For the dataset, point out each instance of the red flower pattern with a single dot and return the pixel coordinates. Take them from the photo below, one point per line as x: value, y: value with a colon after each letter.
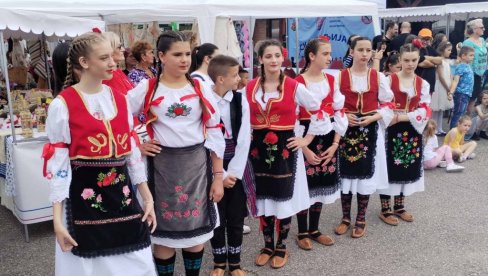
x: 254, y: 153
x: 183, y: 198
x: 178, y: 111
x: 285, y: 154
x: 271, y: 138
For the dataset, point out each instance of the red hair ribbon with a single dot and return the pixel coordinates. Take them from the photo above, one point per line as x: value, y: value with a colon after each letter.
x: 428, y: 111
x: 96, y: 30
x: 48, y: 152
x: 325, y: 38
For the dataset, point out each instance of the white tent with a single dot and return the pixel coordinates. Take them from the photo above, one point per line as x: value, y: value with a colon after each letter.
x: 414, y: 14
x: 462, y: 11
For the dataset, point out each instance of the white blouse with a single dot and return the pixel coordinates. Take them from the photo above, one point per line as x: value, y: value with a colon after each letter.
x: 179, y: 122
x: 100, y: 105
x: 238, y: 163
x: 429, y: 149
x: 385, y: 95
x: 340, y: 120
x: 418, y: 117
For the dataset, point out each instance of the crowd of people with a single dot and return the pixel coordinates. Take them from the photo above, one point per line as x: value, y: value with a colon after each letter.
x: 221, y: 147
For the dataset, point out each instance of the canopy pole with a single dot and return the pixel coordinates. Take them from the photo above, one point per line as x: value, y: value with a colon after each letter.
x: 7, y: 84
x: 297, y: 48
x: 251, y: 48
x: 448, y: 25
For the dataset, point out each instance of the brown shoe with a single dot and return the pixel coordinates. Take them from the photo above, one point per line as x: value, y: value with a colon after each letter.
x: 323, y: 239
x: 304, y: 243
x: 359, y: 229
x: 280, y: 258
x: 217, y: 272
x: 238, y: 272
x: 404, y: 215
x: 342, y: 228
x: 264, y: 256
x: 389, y: 218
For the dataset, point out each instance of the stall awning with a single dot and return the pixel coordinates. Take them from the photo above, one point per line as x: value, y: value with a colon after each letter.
x: 414, y: 14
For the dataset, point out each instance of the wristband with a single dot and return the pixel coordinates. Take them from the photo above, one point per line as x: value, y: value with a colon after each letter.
x: 218, y: 173
x: 335, y: 143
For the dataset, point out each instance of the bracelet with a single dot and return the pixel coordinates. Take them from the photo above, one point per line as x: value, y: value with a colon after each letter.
x: 218, y: 173
x: 335, y: 143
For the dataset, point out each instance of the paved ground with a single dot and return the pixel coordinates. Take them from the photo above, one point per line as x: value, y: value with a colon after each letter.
x: 448, y: 236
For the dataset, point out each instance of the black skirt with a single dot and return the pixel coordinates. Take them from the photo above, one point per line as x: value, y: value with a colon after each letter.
x: 357, y: 151
x: 322, y: 179
x: 273, y: 163
x: 103, y: 214
x: 404, y: 153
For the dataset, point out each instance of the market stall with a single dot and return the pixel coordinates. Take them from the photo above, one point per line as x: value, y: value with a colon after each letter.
x: 24, y: 191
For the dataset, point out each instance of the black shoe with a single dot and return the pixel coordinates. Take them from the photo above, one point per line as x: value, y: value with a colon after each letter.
x: 483, y: 135
x: 475, y: 137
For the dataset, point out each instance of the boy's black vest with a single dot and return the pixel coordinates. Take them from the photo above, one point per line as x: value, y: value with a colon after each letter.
x: 235, y: 115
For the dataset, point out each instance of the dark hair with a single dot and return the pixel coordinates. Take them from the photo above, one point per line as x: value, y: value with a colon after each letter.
x: 409, y: 39
x: 407, y: 48
x: 483, y: 93
x: 354, y: 42
x: 390, y: 25
x: 242, y: 70
x: 199, y: 53
x: 127, y: 52
x: 80, y: 47
x: 349, y: 41
x: 311, y: 47
x: 60, y: 65
x: 391, y: 60
x: 220, y: 65
x: 140, y: 48
x: 442, y: 47
x: 262, y: 47
x: 437, y: 40
x: 163, y: 44
x: 465, y: 50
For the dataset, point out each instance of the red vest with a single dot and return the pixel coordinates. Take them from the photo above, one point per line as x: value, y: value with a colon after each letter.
x: 279, y: 113
x: 364, y: 103
x: 326, y: 102
x: 401, y: 99
x: 92, y: 138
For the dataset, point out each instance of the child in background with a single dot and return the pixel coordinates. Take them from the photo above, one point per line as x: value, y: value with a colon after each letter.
x: 392, y: 64
x: 433, y: 154
x: 462, y: 84
x: 440, y: 101
x: 455, y: 139
x: 234, y: 112
x: 480, y: 122
x: 244, y: 75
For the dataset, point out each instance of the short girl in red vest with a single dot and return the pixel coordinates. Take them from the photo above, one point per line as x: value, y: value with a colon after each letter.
x: 281, y: 188
x: 321, y: 157
x: 362, y: 157
x: 404, y: 137
x: 185, y: 176
x: 99, y: 224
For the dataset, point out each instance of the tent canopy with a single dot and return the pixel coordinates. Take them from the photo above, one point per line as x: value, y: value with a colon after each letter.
x: 26, y: 24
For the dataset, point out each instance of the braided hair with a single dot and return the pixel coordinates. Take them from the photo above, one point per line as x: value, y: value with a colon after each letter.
x: 311, y: 47
x: 81, y: 46
x: 262, y: 47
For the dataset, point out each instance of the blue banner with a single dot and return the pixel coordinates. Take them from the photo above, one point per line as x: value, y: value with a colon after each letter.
x: 338, y: 29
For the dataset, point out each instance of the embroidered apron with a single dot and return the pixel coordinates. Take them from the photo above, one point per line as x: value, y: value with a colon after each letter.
x: 103, y: 214
x: 180, y: 180
x: 322, y: 179
x: 357, y: 151
x: 273, y: 163
x: 404, y: 153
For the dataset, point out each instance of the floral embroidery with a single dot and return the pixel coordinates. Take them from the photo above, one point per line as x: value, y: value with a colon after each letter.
x: 419, y: 118
x: 126, y: 200
x: 285, y: 154
x: 195, y: 213
x: 178, y: 109
x: 355, y: 149
x: 182, y: 201
x: 95, y: 200
x: 405, y: 150
x: 254, y: 153
x: 270, y: 139
x: 61, y: 174
x: 49, y: 175
x: 111, y: 178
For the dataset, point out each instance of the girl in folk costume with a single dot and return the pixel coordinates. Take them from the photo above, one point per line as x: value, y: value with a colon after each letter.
x: 361, y: 152
x: 119, y: 82
x: 200, y: 58
x: 321, y: 158
x: 89, y: 160
x: 185, y: 176
x: 277, y: 160
x: 404, y: 137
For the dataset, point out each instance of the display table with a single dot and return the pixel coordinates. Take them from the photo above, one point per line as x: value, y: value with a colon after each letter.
x: 25, y: 186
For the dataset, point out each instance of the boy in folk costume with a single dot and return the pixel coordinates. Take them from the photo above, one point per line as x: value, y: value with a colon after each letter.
x: 185, y: 177
x: 234, y: 114
x: 99, y: 224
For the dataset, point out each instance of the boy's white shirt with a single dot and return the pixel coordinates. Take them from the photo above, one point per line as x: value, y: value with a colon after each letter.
x: 238, y: 162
